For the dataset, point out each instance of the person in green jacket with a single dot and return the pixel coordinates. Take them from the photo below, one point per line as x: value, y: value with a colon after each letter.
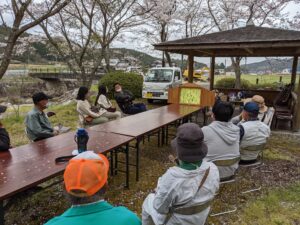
x: 85, y: 181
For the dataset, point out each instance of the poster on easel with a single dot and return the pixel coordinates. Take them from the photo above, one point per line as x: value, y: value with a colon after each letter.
x: 191, y: 94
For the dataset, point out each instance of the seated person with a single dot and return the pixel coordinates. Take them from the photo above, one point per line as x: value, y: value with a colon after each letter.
x: 222, y: 138
x: 85, y: 181
x: 4, y: 137
x: 253, y: 132
x: 38, y: 126
x: 86, y: 115
x: 265, y: 114
x: 125, y: 99
x: 190, y: 184
x: 104, y: 103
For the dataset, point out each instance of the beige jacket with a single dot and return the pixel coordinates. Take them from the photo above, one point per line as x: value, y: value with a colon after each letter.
x: 84, y: 110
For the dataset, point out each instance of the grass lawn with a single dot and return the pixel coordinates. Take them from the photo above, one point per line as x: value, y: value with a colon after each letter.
x: 277, y: 203
x: 263, y: 79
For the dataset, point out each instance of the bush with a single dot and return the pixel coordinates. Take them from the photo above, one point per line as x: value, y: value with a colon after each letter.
x: 129, y: 81
x: 230, y: 83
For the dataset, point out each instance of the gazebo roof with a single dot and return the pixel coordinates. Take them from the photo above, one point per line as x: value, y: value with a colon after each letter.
x: 246, y: 41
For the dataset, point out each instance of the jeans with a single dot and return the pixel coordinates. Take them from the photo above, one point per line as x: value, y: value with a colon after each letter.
x: 136, y: 108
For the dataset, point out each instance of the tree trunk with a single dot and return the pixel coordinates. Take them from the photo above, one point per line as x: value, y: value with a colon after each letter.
x: 237, y: 70
x: 12, y: 39
x: 168, y: 57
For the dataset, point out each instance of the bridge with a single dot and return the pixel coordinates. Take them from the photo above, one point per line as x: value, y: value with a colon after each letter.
x: 55, y: 79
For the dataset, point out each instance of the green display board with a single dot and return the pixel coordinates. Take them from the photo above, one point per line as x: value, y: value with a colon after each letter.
x: 190, y: 96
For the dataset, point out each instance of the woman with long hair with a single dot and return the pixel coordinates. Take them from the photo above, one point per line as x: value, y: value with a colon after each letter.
x: 103, y: 102
x: 86, y: 115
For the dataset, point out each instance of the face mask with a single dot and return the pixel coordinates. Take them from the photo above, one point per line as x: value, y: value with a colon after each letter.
x: 119, y: 90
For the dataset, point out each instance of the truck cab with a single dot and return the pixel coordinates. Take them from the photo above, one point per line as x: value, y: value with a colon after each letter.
x: 158, y: 81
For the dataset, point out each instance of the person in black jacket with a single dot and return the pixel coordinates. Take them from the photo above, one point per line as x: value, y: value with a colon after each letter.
x: 125, y: 99
x: 4, y: 137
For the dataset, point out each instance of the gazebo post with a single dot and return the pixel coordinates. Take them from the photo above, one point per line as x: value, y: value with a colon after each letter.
x: 191, y: 69
x: 212, y: 72
x: 294, y: 70
x: 297, y: 114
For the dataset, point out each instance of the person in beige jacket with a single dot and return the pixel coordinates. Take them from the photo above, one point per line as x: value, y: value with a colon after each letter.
x: 103, y: 102
x: 86, y: 115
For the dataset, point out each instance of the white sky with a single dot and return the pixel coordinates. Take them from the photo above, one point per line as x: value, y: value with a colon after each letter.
x: 140, y: 44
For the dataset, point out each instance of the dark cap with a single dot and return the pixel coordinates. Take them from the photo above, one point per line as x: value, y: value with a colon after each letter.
x: 252, y: 107
x: 2, y: 108
x: 189, y: 143
x: 37, y: 97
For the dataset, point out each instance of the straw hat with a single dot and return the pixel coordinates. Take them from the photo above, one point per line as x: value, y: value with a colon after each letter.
x: 261, y: 103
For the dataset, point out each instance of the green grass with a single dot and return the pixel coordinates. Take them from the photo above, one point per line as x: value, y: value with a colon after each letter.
x: 278, y: 207
x: 272, y: 206
x: 263, y: 79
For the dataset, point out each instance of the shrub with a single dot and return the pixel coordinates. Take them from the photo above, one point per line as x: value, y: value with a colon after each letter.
x: 129, y: 81
x: 230, y: 83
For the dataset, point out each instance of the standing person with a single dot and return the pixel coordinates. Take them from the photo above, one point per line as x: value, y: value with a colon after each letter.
x: 85, y: 181
x: 4, y: 137
x: 253, y: 133
x: 38, y: 126
x: 104, y: 103
x: 184, y: 193
x: 86, y: 115
x: 125, y: 99
x: 222, y: 138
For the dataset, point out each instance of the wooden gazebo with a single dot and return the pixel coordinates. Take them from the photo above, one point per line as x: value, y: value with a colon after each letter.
x: 249, y: 41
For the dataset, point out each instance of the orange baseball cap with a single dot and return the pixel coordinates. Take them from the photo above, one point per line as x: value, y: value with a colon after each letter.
x: 86, y: 174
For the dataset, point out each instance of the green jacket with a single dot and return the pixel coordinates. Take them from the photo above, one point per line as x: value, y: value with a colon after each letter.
x: 100, y: 213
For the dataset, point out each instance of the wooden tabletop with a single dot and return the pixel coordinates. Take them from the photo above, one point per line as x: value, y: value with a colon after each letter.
x: 142, y: 123
x: 29, y: 165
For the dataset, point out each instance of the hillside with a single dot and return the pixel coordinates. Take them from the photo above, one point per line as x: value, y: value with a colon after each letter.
x: 275, y: 65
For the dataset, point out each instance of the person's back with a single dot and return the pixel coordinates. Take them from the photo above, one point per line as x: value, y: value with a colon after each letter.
x: 85, y: 181
x: 253, y: 132
x: 189, y: 186
x: 100, y: 213
x: 222, y: 138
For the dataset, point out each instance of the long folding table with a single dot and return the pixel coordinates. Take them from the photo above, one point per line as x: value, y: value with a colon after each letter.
x: 144, y: 123
x: 27, y: 166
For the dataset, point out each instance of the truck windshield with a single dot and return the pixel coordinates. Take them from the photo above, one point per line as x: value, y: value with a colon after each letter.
x: 159, y: 76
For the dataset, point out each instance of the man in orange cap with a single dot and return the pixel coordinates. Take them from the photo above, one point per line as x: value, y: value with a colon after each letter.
x: 85, y: 180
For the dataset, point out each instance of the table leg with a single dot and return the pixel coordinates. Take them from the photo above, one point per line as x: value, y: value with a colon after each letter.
x: 167, y: 135
x: 163, y: 136
x: 116, y: 163
x: 127, y: 165
x: 137, y: 159
x: 112, y: 168
x: 158, y: 138
x: 1, y: 213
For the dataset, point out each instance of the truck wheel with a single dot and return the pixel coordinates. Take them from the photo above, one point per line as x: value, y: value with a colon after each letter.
x: 150, y: 100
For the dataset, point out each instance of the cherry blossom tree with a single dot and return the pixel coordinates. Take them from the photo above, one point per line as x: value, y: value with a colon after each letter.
x: 19, y: 10
x: 230, y: 14
x: 161, y: 19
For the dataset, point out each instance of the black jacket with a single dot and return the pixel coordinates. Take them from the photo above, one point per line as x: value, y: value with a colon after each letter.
x: 124, y: 99
x: 4, y: 140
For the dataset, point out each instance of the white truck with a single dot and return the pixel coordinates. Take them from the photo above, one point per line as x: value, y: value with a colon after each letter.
x: 158, y: 81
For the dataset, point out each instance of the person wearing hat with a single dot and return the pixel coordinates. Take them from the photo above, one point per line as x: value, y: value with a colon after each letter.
x: 265, y: 114
x: 38, y: 126
x: 184, y: 193
x: 4, y: 137
x: 253, y: 132
x: 222, y: 138
x: 85, y: 180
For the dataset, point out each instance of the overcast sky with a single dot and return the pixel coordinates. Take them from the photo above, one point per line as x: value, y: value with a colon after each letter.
x: 132, y: 41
